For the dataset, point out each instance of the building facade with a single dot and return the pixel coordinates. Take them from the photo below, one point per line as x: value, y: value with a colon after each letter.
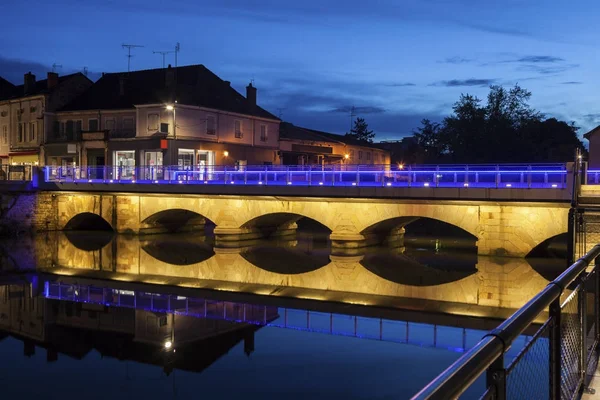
x: 25, y: 114
x: 303, y: 146
x: 140, y: 122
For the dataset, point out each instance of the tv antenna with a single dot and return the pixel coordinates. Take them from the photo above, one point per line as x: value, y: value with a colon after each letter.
x: 85, y: 71
x: 280, y: 112
x: 55, y: 66
x: 177, y: 48
x: 352, y: 115
x: 129, y: 47
x: 164, y: 53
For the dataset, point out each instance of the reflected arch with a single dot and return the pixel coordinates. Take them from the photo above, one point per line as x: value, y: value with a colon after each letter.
x: 87, y: 221
x: 289, y: 260
x: 395, y: 266
x: 173, y: 220
x: 178, y: 249
x: 553, y: 246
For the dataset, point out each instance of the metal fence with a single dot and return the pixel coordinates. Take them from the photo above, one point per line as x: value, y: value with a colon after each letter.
x: 21, y: 173
x: 558, y: 361
x: 484, y: 176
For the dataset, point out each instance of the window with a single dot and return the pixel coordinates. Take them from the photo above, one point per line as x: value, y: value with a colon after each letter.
x: 263, y: 133
x: 352, y: 154
x: 162, y: 321
x: 20, y: 133
x: 164, y: 127
x: 70, y: 127
x: 61, y: 129
x: 3, y: 114
x: 32, y: 131
x: 211, y: 125
x: 78, y: 125
x: 375, y: 158
x: 5, y: 134
x: 152, y: 122
x: 127, y: 124
x: 360, y: 154
x: 368, y: 156
x: 93, y: 125
x: 32, y: 109
x: 238, y: 129
x: 109, y: 124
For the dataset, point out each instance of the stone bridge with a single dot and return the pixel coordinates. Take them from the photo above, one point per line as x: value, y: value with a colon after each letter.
x: 511, y: 228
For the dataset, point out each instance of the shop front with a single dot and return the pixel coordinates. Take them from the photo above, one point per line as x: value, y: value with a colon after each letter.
x: 62, y: 160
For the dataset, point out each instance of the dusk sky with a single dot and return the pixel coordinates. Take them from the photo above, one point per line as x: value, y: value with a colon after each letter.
x: 396, y: 61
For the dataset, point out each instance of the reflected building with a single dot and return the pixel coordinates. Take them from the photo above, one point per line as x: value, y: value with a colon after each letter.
x: 75, y: 328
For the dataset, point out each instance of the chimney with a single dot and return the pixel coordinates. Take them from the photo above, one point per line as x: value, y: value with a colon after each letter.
x: 29, y: 82
x: 227, y: 83
x: 121, y: 85
x: 52, y: 80
x: 251, y: 97
x: 170, y: 77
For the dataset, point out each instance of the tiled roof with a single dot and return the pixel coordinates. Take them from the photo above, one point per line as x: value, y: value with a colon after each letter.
x: 41, y: 87
x: 196, y: 85
x: 6, y: 88
x: 592, y: 132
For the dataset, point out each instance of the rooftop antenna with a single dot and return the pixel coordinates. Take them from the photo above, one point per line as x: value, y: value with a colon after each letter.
x: 280, y: 112
x: 352, y: 115
x: 85, y: 71
x: 164, y: 53
x: 55, y: 66
x: 129, y: 47
x: 177, y: 48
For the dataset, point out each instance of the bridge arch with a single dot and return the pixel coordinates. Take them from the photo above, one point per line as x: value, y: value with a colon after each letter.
x: 87, y: 221
x: 173, y: 220
x: 278, y: 224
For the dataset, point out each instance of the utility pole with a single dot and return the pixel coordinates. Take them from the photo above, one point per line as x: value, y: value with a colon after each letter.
x: 55, y: 66
x: 164, y: 53
x: 129, y: 47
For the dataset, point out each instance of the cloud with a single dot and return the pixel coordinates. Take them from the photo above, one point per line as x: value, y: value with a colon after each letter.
x: 359, y: 110
x: 541, y: 59
x: 457, y: 60
x: 572, y: 83
x: 400, y: 84
x: 547, y: 69
x: 465, y: 82
x: 13, y: 70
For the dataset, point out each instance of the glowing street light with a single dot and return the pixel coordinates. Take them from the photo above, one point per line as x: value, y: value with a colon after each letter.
x: 346, y: 156
x: 168, y: 344
x: 170, y: 107
x: 226, y: 153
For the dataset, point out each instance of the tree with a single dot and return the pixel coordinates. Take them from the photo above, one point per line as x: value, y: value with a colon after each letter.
x: 504, y: 129
x: 361, y: 131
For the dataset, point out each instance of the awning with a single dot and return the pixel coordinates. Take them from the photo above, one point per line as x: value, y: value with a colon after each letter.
x: 25, y: 159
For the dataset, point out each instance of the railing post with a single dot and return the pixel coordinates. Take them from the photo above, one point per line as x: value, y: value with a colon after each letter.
x: 496, y: 378
x: 597, y: 299
x: 467, y: 174
x: 225, y: 174
x: 555, y: 359
x: 437, y: 175
x: 529, y: 176
x: 245, y: 175
x: 357, y: 174
x: 309, y: 175
x: 409, y: 176
x: 266, y: 175
x: 497, y: 175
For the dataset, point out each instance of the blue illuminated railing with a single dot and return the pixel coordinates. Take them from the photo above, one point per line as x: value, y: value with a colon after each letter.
x: 425, y: 335
x: 463, y: 176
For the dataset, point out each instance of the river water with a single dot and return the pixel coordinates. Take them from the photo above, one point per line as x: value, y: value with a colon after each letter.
x: 172, y: 316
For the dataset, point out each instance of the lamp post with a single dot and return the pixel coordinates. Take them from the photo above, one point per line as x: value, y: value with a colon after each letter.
x: 171, y: 107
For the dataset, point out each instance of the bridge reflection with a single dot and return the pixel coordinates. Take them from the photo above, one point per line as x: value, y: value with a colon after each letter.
x: 413, y: 279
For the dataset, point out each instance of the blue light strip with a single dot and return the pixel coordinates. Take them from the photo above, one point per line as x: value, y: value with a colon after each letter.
x: 83, y: 294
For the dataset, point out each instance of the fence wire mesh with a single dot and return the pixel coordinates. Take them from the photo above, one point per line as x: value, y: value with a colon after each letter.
x: 528, y: 375
x: 591, y: 323
x: 570, y: 346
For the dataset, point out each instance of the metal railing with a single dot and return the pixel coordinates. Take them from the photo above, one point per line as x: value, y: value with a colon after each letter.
x: 20, y: 173
x: 559, y: 359
x: 463, y: 176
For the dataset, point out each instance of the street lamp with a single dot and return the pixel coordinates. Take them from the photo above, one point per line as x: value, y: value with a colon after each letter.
x: 226, y: 153
x: 171, y: 107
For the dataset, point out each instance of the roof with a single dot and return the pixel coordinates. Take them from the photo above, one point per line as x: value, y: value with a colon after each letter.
x: 41, y: 87
x: 290, y: 131
x: 590, y: 133
x: 6, y: 88
x: 196, y: 85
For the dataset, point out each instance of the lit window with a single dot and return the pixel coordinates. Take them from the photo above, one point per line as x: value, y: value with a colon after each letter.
x: 238, y: 129
x: 152, y: 122
x: 263, y: 133
x: 211, y: 125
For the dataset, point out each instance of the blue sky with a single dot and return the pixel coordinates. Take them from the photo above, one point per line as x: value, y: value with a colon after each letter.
x: 396, y: 61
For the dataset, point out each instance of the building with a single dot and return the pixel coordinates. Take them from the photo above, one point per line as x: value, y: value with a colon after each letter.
x: 25, y: 112
x: 141, y: 121
x: 303, y: 146
x: 593, y: 137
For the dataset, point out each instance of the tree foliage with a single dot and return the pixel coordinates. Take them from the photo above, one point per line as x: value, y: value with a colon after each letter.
x: 361, y: 131
x: 503, y: 129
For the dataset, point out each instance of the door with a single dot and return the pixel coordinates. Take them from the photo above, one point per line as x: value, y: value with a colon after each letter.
x: 153, y: 164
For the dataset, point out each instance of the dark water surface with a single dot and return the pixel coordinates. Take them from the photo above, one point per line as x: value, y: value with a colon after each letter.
x: 170, y: 316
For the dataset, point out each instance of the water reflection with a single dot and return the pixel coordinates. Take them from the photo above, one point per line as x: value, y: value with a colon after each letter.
x: 428, y: 279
